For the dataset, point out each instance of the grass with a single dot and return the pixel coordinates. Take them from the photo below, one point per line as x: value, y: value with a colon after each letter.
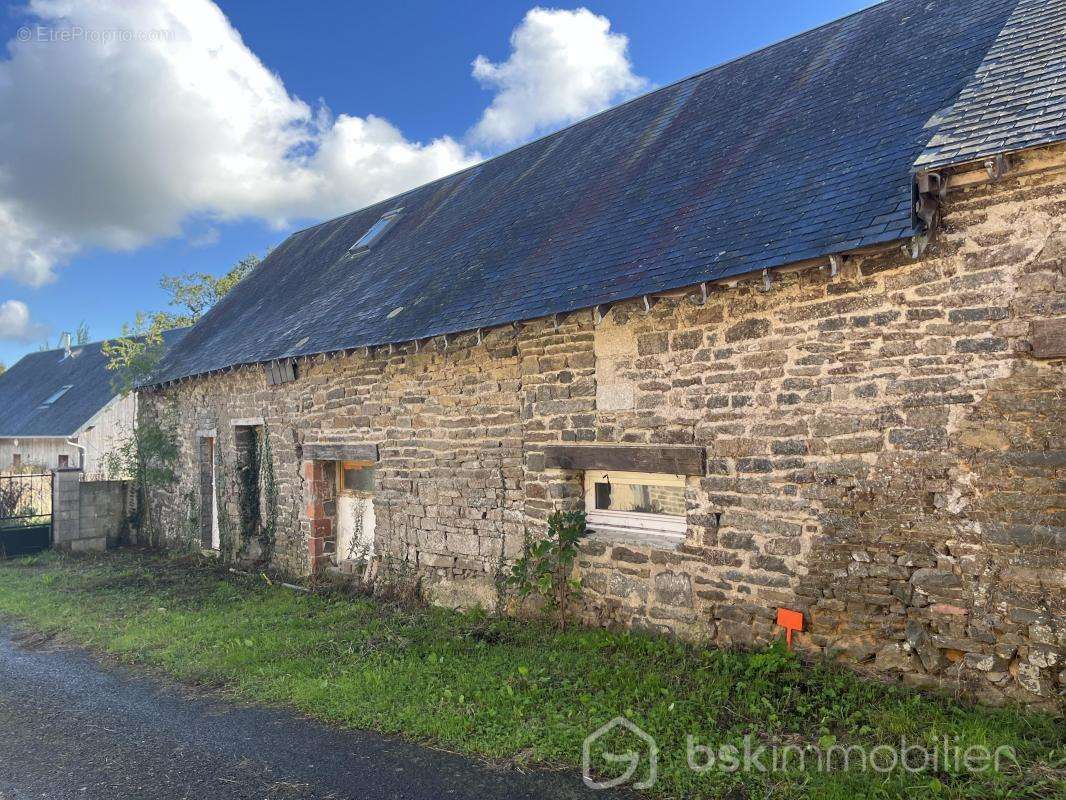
x: 500, y: 689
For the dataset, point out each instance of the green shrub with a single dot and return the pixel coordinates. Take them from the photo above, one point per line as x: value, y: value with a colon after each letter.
x: 545, y: 569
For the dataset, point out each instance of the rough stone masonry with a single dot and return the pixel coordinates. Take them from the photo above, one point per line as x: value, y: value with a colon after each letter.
x: 885, y: 450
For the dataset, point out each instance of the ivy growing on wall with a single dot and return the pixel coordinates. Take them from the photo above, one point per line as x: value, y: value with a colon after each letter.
x: 270, y: 497
x: 192, y: 517
x: 150, y: 457
x: 253, y: 535
x: 248, y: 482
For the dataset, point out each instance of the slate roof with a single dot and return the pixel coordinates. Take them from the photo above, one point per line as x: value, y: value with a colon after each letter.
x: 793, y: 152
x: 38, y: 376
x: 1017, y: 98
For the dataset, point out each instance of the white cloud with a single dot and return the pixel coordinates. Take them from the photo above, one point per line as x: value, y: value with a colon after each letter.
x: 114, y: 144
x: 563, y: 66
x: 359, y: 160
x: 205, y: 238
x: 15, y: 323
x: 175, y: 125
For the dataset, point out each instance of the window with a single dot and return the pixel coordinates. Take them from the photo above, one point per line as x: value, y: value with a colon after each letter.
x: 56, y: 395
x: 641, y: 507
x: 376, y: 231
x: 16, y: 460
x: 64, y: 462
x: 355, y: 476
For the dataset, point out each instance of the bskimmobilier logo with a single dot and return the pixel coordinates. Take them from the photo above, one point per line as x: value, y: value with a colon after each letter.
x: 623, y: 745
x: 617, y: 729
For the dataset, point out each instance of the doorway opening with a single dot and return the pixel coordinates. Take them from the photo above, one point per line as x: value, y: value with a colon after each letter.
x: 355, y: 511
x: 210, y: 537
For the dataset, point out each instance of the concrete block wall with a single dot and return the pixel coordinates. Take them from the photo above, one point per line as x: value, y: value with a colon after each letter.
x: 104, y: 508
x: 88, y: 515
x: 66, y: 508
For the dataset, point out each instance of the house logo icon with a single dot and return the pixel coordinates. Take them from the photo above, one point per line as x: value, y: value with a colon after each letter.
x: 632, y: 758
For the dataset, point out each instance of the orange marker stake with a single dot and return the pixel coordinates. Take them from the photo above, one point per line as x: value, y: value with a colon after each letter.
x: 791, y: 621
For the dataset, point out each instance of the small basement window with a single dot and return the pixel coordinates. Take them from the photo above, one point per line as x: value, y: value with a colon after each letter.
x: 646, y: 508
x: 377, y: 230
x: 56, y: 395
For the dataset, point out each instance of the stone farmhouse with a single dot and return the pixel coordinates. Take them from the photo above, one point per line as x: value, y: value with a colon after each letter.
x: 792, y: 331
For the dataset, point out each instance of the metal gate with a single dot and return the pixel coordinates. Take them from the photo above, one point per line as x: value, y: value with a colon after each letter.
x: 25, y: 514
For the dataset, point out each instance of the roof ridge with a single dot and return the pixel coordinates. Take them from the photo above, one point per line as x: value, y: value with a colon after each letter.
x: 610, y: 109
x: 755, y: 163
x: 74, y: 346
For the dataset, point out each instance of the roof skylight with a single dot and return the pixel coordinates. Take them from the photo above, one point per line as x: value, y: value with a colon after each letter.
x: 56, y: 395
x: 377, y: 230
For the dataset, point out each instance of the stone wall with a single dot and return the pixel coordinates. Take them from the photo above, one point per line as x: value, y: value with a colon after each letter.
x: 449, y: 430
x: 884, y: 453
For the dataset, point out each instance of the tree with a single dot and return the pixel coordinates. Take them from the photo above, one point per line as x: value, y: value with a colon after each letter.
x: 3, y: 368
x: 150, y: 455
x: 546, y: 566
x: 197, y: 292
x: 135, y: 355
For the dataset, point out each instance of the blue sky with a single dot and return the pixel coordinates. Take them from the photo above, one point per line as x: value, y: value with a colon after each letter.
x: 76, y: 258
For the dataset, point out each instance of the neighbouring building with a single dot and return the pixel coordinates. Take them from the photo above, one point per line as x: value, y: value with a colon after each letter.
x: 59, y: 409
x: 792, y: 331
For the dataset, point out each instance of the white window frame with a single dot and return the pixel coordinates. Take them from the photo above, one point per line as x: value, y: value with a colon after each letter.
x: 53, y: 398
x: 634, y: 526
x: 375, y: 232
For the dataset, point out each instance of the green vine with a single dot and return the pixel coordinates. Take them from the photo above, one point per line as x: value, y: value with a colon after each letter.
x: 269, y: 534
x: 257, y: 496
x: 150, y: 456
x: 247, y: 473
x: 192, y: 516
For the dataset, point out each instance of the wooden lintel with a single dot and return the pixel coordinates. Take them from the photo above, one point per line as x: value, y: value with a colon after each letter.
x: 667, y: 459
x: 340, y: 452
